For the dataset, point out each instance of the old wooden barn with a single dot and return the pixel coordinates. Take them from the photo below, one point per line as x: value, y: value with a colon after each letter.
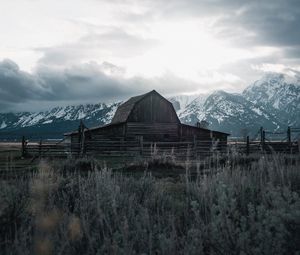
x: 142, y: 121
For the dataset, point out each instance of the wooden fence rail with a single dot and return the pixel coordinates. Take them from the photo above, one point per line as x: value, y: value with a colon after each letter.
x: 123, y: 148
x: 148, y: 149
x: 266, y: 147
x: 104, y: 146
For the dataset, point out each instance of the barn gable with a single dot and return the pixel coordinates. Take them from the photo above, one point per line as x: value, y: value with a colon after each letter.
x: 150, y: 108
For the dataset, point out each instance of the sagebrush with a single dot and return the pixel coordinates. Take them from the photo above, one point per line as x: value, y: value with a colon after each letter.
x: 251, y: 208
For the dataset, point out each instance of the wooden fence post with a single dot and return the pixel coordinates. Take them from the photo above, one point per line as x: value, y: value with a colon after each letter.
x: 141, y: 145
x: 40, y: 148
x: 289, y: 139
x: 82, y: 145
x: 248, y: 146
x: 289, y: 134
x: 195, y: 146
x: 23, y: 147
x: 81, y: 139
x: 264, y: 139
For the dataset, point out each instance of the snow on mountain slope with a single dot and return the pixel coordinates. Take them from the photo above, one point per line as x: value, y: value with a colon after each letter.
x: 180, y: 102
x: 278, y: 94
x: 272, y: 102
x: 232, y: 113
x: 96, y: 113
x: 3, y: 125
x: 193, y: 112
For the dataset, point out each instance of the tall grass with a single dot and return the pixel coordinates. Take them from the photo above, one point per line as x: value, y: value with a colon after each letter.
x: 248, y: 208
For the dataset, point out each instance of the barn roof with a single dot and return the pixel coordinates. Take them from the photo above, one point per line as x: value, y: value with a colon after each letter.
x: 125, y: 109
x: 204, y: 129
x: 94, y: 128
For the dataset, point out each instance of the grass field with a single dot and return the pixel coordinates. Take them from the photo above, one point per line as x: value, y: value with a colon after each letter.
x: 11, y: 162
x: 244, y: 205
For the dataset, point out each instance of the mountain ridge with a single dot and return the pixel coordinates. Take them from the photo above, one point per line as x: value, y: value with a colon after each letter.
x: 272, y: 101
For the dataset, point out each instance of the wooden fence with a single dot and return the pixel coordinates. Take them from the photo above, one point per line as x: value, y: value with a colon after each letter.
x: 267, y: 147
x: 287, y: 141
x: 138, y: 148
x: 261, y: 142
x: 178, y: 150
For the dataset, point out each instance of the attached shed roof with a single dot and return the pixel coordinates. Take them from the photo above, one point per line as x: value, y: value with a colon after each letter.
x: 94, y: 128
x: 204, y: 129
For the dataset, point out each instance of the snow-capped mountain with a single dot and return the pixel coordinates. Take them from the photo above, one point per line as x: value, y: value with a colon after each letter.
x: 55, y: 122
x: 193, y: 112
x: 232, y: 113
x: 272, y: 102
x: 180, y: 102
x: 101, y: 113
x: 278, y: 94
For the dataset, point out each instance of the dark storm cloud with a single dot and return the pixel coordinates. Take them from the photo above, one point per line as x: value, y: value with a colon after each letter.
x: 273, y: 23
x: 82, y: 83
x: 16, y: 86
x: 254, y: 23
x: 85, y: 83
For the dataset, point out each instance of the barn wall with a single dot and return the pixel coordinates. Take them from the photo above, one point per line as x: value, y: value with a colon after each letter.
x: 153, y: 108
x: 153, y: 131
x: 189, y: 132
x: 113, y: 132
x: 150, y: 132
x: 220, y: 136
x: 74, y: 143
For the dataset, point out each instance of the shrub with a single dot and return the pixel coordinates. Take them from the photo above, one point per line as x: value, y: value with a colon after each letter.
x: 234, y: 208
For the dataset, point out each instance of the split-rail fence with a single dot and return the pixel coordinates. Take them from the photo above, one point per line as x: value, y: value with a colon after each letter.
x: 263, y: 142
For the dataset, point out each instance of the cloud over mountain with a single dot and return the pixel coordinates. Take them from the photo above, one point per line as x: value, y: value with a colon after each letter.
x: 85, y: 83
x: 79, y: 83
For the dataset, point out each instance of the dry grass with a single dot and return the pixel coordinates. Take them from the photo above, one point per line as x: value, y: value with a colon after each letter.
x: 240, y: 206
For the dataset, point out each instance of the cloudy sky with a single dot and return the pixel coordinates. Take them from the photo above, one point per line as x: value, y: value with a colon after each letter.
x: 77, y: 51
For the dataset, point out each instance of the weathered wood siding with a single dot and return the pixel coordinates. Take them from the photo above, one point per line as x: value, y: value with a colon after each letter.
x: 208, y: 137
x: 153, y: 109
x: 187, y: 133
x: 153, y: 131
x: 112, y: 132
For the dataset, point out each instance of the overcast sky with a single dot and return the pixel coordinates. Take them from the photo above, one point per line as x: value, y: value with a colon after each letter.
x: 72, y: 51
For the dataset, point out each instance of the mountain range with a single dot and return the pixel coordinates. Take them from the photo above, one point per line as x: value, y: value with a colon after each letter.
x: 272, y: 102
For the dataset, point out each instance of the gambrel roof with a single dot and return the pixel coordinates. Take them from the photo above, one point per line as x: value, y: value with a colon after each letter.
x: 126, y: 108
